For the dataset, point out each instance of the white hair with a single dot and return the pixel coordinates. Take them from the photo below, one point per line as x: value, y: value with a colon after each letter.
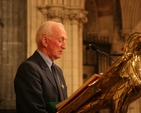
x: 48, y: 28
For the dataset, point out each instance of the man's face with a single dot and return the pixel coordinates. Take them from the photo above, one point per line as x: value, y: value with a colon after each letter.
x: 56, y: 45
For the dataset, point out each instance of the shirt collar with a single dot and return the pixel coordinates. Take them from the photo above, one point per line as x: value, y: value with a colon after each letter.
x: 46, y: 59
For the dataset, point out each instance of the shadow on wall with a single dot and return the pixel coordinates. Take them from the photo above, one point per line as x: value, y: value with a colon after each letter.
x: 1, y: 23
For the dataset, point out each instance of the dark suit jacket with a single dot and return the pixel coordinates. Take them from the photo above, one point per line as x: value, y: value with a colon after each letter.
x: 34, y: 86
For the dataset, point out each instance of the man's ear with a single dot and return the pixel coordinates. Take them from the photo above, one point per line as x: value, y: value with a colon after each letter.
x: 44, y: 41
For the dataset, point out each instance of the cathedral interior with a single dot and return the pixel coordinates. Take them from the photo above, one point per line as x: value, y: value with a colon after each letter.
x: 104, y: 24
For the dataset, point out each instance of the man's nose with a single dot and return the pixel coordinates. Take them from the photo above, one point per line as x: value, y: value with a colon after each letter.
x: 64, y: 45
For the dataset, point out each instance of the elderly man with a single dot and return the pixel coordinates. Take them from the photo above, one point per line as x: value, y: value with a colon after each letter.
x: 38, y: 80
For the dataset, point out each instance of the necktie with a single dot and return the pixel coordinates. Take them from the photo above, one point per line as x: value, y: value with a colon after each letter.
x: 58, y: 82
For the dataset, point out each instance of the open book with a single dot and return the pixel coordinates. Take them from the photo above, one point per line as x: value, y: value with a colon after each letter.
x: 79, y: 97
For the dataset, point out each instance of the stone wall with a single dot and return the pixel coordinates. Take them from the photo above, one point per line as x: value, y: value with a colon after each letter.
x: 13, y: 50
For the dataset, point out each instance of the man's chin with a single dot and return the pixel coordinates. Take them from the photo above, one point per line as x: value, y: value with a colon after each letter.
x: 57, y: 57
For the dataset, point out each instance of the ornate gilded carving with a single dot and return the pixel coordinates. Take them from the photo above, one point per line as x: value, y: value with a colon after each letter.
x: 116, y: 89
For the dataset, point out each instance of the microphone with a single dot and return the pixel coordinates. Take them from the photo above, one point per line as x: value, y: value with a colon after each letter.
x: 95, y: 48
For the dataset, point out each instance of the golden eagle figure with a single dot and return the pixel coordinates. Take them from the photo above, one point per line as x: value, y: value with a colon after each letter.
x: 119, y: 86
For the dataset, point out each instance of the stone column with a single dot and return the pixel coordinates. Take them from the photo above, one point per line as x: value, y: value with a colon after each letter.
x: 77, y: 17
x: 34, y: 20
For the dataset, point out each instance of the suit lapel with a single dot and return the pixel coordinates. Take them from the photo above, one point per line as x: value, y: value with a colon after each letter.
x: 48, y: 72
x: 50, y: 76
x: 45, y: 67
